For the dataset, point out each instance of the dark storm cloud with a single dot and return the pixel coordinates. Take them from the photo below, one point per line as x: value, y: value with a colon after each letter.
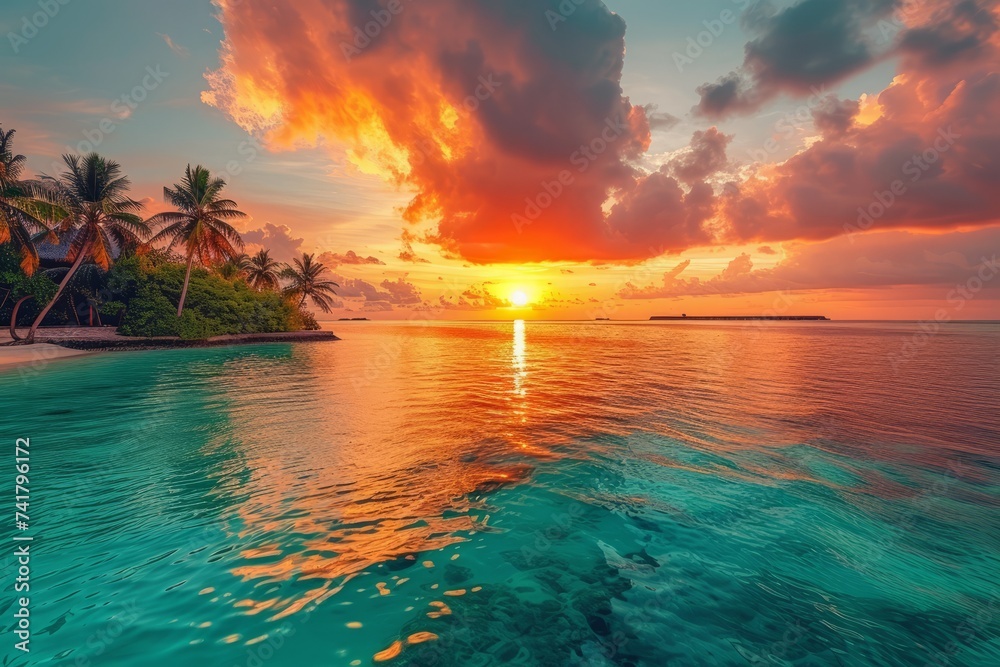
x: 955, y: 33
x: 796, y: 49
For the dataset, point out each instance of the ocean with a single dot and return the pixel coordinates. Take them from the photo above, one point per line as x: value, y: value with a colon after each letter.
x: 517, y: 493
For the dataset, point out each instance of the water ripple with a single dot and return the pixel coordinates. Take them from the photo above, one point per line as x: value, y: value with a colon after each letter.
x: 538, y: 494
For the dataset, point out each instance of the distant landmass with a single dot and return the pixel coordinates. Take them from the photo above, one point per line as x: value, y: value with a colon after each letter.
x: 783, y: 318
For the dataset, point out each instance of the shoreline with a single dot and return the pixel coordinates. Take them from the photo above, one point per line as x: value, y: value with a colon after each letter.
x: 17, y: 356
x: 68, y: 342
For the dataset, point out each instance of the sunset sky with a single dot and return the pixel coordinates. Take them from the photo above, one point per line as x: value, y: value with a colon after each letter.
x: 618, y: 159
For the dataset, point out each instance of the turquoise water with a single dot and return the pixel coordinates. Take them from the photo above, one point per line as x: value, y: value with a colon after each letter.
x: 518, y: 494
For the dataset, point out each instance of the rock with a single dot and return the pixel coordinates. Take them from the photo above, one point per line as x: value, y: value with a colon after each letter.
x: 456, y: 574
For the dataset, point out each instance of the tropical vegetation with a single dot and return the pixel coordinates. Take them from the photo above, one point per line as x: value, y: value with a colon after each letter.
x: 23, y: 205
x: 306, y: 281
x: 98, y: 217
x: 262, y: 272
x: 200, y: 223
x: 148, y: 286
x: 179, y: 273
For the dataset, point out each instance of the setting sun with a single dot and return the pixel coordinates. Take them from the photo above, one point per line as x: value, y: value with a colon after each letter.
x: 519, y: 299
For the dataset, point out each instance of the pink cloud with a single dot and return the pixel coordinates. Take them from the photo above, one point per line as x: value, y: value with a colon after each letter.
x: 278, y: 239
x: 877, y: 260
x: 333, y: 260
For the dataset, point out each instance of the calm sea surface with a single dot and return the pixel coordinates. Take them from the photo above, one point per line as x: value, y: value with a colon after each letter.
x: 518, y: 494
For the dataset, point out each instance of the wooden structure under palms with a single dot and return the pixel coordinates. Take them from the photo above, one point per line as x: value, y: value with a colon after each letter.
x: 100, y: 218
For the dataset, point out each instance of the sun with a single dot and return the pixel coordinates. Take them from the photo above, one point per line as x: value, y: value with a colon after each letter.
x: 519, y: 299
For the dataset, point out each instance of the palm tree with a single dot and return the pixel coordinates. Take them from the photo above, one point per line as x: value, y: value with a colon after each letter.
x: 264, y: 272
x: 235, y: 267
x: 305, y: 282
x: 101, y: 218
x: 199, y: 223
x: 23, y: 205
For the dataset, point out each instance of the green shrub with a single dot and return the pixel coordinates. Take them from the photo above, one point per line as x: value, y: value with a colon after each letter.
x: 142, y: 291
x: 14, y: 285
x: 214, y: 306
x: 149, y: 313
x: 306, y: 321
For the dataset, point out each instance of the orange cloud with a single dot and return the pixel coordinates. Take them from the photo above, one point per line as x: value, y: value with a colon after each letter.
x: 512, y: 135
x: 520, y: 146
x: 925, y: 155
x: 333, y: 260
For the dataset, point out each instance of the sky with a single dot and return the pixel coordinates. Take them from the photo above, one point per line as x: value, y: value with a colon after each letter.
x: 448, y: 159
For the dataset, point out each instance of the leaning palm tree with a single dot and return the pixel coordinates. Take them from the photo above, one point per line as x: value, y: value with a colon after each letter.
x: 200, y: 223
x: 23, y: 205
x: 305, y: 280
x: 264, y: 272
x: 101, y: 219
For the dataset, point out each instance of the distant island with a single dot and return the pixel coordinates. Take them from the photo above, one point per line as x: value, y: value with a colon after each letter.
x: 781, y: 318
x: 353, y: 319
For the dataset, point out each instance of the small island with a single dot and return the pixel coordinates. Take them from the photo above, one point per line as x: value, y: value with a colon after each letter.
x: 737, y: 318
x: 81, y: 268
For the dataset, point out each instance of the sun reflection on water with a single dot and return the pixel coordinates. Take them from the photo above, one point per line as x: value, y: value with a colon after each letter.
x: 517, y: 359
x: 411, y: 476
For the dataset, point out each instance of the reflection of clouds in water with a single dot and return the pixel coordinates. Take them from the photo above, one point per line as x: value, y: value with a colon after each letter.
x: 339, y: 481
x: 784, y: 458
x: 347, y: 493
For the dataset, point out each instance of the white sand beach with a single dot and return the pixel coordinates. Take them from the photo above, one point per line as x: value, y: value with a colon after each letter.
x: 34, y: 355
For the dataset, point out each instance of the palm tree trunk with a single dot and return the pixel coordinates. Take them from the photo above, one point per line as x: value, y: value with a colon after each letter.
x: 187, y: 277
x: 84, y: 251
x: 76, y: 313
x: 13, y: 317
x: 303, y: 301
